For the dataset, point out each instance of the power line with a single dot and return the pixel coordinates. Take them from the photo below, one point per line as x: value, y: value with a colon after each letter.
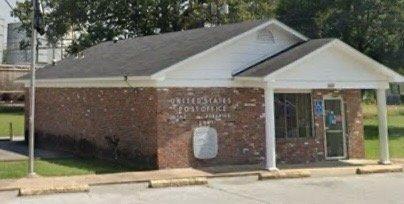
x: 9, y: 4
x: 15, y: 13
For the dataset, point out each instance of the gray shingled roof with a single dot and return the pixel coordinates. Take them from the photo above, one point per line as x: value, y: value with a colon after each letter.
x: 143, y: 56
x: 283, y: 58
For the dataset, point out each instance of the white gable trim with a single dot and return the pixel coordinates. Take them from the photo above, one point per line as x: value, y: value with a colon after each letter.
x: 161, y: 74
x: 289, y: 29
x: 377, y: 67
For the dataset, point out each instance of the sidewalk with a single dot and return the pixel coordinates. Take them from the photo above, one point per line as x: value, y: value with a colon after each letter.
x: 46, y: 183
x: 100, y: 179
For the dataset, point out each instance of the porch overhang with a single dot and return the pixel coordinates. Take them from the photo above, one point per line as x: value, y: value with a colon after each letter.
x: 321, y: 65
x: 325, y: 64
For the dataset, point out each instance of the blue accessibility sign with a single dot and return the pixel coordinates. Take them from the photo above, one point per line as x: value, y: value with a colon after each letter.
x: 318, y: 108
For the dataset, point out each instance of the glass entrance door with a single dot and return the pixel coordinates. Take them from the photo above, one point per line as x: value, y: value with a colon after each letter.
x: 334, y: 129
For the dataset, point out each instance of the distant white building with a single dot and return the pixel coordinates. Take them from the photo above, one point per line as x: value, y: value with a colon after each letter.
x: 16, y: 54
x: 2, y: 27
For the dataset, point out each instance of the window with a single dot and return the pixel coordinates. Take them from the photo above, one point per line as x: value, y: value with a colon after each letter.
x: 293, y: 115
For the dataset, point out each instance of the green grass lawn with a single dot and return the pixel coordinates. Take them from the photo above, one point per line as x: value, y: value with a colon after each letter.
x: 396, y: 131
x: 11, y: 115
x: 61, y: 167
x: 50, y: 167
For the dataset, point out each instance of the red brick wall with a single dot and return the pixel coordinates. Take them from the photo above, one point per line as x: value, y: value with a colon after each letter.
x: 241, y: 127
x: 157, y: 125
x: 354, y: 116
x: 302, y: 150
x: 79, y: 120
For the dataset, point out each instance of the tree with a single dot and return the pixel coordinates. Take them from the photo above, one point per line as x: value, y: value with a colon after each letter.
x: 104, y: 20
x: 374, y: 27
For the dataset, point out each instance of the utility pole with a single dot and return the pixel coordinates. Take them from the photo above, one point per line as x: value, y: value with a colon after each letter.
x: 31, y: 172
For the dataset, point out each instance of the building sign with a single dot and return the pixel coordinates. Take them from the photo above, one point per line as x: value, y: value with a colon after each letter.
x: 205, y: 110
x: 318, y: 108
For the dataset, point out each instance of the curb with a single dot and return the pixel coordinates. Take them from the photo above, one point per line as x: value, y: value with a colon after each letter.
x: 178, y: 182
x: 54, y: 189
x: 283, y: 175
x: 379, y: 169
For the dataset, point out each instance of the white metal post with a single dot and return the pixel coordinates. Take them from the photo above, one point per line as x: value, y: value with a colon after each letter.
x: 270, y: 130
x: 31, y: 171
x: 383, y: 131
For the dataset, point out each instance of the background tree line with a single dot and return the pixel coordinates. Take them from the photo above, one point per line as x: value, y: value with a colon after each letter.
x: 374, y: 27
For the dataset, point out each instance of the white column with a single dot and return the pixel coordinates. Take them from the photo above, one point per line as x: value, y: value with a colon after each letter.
x: 270, y: 129
x: 383, y: 131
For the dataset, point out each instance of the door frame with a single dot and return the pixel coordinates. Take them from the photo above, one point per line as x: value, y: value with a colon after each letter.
x: 343, y: 128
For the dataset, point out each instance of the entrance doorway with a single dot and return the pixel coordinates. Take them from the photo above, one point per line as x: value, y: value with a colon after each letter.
x: 334, y: 122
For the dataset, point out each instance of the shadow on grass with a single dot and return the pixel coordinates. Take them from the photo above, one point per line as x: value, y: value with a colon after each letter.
x: 96, y: 166
x: 372, y: 132
x: 12, y: 110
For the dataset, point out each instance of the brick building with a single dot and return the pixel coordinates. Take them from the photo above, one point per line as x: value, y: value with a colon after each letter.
x: 248, y: 93
x: 9, y: 91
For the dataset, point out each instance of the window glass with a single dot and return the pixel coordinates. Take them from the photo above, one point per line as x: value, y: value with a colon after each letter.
x: 293, y: 115
x: 279, y: 116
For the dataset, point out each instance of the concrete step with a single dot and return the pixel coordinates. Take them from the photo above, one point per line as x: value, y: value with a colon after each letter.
x: 371, y: 169
x: 51, y: 189
x: 284, y: 174
x: 178, y: 182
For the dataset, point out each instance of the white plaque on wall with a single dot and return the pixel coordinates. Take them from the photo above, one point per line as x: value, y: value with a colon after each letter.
x: 205, y: 143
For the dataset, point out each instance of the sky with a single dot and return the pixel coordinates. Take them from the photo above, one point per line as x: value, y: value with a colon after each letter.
x: 5, y: 14
x: 5, y: 11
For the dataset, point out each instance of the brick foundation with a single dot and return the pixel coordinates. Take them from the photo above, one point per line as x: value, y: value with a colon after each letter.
x: 155, y: 126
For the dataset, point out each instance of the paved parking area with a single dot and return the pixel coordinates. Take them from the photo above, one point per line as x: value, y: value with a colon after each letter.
x: 381, y: 188
x: 18, y: 150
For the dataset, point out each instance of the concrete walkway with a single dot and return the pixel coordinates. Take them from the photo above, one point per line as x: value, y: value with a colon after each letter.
x: 381, y: 188
x: 100, y: 179
x: 145, y: 176
x: 18, y: 150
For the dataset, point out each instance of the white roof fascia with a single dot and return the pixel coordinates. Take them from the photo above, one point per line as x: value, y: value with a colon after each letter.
x: 290, y: 30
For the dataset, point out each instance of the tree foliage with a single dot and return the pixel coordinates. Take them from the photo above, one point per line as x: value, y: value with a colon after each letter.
x: 374, y: 27
x: 104, y: 20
